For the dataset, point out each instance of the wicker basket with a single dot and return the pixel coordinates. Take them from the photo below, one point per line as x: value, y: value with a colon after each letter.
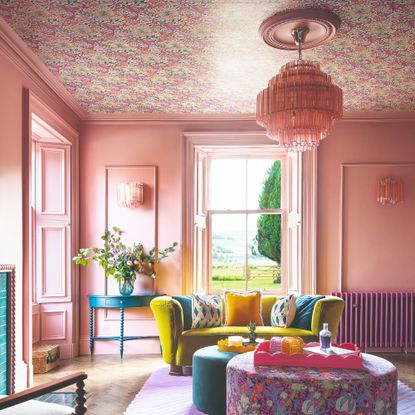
x: 45, y: 357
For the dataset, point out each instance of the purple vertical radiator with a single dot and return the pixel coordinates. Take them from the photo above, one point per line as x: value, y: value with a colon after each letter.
x: 377, y: 319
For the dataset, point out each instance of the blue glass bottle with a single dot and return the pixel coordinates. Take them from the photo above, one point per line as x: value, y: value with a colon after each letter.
x: 325, y: 338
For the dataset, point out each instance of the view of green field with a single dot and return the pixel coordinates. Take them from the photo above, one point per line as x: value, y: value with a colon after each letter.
x: 231, y: 277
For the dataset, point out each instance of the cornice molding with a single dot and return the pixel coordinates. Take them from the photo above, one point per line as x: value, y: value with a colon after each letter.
x: 163, y: 118
x: 13, y: 47
x: 160, y: 118
x: 378, y: 116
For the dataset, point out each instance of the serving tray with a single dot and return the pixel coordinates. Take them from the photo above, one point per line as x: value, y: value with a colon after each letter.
x: 263, y: 357
x: 223, y: 346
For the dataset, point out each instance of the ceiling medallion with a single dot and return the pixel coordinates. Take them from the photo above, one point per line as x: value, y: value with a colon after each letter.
x: 300, y: 104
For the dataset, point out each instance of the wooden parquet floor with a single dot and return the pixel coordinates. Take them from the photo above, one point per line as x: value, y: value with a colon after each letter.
x: 112, y: 383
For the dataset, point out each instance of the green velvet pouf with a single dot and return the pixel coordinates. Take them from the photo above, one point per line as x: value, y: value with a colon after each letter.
x: 209, y: 380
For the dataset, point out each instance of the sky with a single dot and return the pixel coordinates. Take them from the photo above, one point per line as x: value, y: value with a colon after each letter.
x: 236, y: 183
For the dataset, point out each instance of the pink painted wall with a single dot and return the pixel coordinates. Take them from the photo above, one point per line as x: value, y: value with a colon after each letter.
x: 12, y: 82
x: 123, y: 145
x: 161, y: 145
x: 377, y: 249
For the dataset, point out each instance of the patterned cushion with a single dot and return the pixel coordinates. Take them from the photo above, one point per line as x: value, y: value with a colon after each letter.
x: 242, y: 307
x: 283, y: 312
x: 206, y: 311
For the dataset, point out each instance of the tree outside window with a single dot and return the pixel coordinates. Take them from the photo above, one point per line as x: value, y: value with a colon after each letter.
x: 246, y: 236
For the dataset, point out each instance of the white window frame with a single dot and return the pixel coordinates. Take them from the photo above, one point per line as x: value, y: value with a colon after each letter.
x: 300, y: 267
x: 252, y: 153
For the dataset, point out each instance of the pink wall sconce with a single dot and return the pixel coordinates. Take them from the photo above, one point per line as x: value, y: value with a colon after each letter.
x: 130, y: 194
x: 389, y: 190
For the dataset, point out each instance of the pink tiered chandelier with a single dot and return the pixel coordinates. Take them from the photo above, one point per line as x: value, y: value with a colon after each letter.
x: 300, y: 104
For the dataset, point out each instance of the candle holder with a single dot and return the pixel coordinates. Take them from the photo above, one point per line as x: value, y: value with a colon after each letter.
x: 292, y: 345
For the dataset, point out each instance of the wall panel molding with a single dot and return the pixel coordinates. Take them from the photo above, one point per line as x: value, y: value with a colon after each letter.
x: 53, y: 325
x: 48, y: 154
x: 48, y: 274
x: 140, y: 224
x: 343, y: 169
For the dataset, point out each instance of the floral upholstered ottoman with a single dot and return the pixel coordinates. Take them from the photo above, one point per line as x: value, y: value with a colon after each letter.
x: 271, y: 390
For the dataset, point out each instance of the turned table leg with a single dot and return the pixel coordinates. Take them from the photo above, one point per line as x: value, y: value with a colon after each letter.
x: 80, y: 407
x: 91, y: 330
x: 121, y: 332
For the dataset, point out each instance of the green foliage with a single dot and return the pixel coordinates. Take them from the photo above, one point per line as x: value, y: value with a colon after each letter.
x: 121, y: 261
x: 268, y: 238
x: 228, y: 278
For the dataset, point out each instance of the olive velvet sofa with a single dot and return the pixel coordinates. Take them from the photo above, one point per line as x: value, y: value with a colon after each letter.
x: 178, y: 345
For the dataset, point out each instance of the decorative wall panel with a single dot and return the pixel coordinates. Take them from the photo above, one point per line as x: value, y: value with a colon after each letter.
x: 53, y: 262
x: 53, y: 181
x: 52, y: 223
x: 139, y: 224
x: 376, y: 240
x: 53, y: 325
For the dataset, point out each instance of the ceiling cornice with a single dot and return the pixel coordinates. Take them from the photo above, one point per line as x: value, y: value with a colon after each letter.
x: 160, y: 118
x: 13, y: 47
x: 386, y: 116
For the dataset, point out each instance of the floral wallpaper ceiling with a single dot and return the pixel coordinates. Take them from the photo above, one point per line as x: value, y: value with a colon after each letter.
x: 206, y: 56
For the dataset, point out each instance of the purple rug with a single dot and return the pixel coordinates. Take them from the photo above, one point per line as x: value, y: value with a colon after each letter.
x: 163, y: 394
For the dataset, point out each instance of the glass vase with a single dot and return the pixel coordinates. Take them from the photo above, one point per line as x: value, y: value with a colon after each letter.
x: 126, y: 286
x: 325, y: 338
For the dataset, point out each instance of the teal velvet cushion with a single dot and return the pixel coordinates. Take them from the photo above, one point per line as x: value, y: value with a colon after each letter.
x: 186, y: 303
x: 304, y: 312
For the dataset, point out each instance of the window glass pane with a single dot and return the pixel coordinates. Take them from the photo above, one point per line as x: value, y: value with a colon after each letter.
x: 228, y: 251
x: 227, y: 187
x: 264, y: 184
x: 264, y: 252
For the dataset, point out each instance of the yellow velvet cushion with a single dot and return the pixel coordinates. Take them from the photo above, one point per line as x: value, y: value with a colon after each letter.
x: 243, y: 307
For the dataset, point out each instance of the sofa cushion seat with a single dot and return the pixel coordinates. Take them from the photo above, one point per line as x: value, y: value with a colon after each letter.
x: 261, y: 331
x: 191, y: 340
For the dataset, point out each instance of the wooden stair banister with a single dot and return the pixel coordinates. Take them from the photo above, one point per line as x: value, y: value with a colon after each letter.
x: 77, y: 378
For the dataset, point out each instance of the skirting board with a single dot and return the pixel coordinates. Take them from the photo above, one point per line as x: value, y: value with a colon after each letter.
x: 139, y: 346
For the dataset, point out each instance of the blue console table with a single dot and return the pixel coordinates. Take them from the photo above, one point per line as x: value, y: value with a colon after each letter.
x: 116, y: 301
